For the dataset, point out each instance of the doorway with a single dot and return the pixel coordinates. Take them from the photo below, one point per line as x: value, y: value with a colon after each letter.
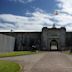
x: 53, y: 45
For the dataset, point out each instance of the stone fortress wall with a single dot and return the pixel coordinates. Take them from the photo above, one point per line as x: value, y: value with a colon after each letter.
x: 20, y: 41
x: 6, y: 43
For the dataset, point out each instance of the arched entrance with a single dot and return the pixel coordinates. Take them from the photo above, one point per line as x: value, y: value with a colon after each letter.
x: 53, y: 45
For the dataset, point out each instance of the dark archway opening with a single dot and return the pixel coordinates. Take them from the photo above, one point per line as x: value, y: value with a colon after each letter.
x: 54, y: 45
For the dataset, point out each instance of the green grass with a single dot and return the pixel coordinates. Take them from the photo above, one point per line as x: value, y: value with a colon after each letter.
x: 68, y: 52
x: 18, y: 53
x: 7, y: 66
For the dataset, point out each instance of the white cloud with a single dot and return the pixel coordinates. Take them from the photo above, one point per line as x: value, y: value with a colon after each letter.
x: 22, y: 1
x: 65, y: 5
x: 39, y: 18
x: 64, y: 18
x: 33, y: 23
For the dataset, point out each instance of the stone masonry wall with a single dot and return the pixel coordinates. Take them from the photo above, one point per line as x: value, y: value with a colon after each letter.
x: 6, y: 43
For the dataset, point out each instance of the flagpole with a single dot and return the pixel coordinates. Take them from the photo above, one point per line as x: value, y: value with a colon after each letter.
x: 55, y: 21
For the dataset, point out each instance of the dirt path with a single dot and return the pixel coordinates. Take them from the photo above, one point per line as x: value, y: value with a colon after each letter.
x: 43, y: 62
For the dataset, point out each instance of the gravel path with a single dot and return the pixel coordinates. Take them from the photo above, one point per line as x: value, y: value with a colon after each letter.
x: 43, y: 62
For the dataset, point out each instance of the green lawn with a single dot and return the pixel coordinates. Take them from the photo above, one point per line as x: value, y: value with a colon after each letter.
x: 7, y: 66
x: 18, y: 53
x: 68, y: 52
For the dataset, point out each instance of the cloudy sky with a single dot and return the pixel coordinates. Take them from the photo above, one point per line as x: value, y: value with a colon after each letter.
x: 32, y: 15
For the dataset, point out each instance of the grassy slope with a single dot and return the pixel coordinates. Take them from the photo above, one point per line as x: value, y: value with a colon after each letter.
x: 18, y: 53
x: 6, y: 66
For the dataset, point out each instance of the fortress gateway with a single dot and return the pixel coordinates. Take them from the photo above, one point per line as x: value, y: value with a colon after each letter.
x: 20, y: 41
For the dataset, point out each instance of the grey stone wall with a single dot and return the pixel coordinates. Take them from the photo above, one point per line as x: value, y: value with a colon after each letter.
x: 68, y: 40
x: 25, y: 40
x: 63, y: 38
x: 19, y: 41
x: 49, y: 34
x: 6, y: 43
x: 44, y: 37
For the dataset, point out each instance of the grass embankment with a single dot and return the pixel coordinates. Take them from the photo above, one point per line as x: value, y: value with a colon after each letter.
x: 7, y: 66
x: 18, y: 53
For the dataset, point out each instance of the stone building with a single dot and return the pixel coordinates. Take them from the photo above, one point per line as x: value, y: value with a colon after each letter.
x: 53, y: 35
x: 40, y: 40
